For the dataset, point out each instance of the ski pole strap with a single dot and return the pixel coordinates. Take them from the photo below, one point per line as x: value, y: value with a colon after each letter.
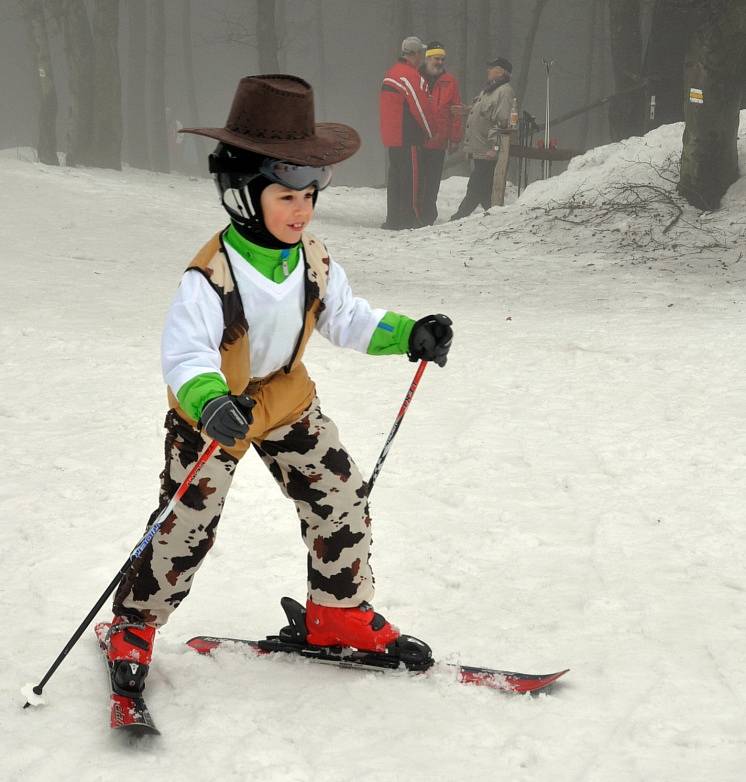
x: 397, y: 424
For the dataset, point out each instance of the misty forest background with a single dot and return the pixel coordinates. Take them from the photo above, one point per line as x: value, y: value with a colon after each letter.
x: 106, y: 83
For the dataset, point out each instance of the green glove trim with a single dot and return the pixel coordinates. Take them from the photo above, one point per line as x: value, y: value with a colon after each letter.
x: 198, y: 391
x: 391, y: 336
x: 275, y: 265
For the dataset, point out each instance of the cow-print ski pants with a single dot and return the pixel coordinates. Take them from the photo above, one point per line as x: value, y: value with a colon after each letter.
x: 311, y: 467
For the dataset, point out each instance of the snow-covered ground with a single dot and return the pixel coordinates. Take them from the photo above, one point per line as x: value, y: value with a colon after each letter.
x: 568, y: 492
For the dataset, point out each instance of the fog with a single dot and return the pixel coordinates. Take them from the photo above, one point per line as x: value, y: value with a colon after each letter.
x: 342, y: 49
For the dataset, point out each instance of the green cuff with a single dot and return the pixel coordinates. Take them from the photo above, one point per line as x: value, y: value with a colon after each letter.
x: 391, y: 335
x: 195, y: 393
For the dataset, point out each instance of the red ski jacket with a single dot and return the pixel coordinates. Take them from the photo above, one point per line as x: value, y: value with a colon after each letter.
x: 406, y: 112
x: 445, y: 93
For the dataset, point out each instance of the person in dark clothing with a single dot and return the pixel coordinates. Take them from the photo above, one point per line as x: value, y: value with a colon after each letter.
x: 406, y: 122
x: 444, y: 91
x: 489, y: 114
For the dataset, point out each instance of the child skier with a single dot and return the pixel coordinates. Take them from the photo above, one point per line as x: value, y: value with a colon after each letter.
x: 231, y: 355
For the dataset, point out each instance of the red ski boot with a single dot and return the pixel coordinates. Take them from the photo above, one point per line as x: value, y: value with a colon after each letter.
x: 359, y: 627
x: 319, y: 631
x: 129, y: 649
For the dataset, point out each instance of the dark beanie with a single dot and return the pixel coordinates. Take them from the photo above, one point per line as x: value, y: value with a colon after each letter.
x: 501, y: 62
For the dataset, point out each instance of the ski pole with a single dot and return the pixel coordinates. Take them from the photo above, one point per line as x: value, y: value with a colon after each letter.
x: 136, y: 553
x: 545, y: 163
x: 397, y: 424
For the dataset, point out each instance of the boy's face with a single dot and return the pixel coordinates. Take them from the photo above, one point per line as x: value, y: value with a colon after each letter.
x: 287, y: 212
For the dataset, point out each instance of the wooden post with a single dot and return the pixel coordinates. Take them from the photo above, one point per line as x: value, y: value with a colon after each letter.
x: 501, y: 170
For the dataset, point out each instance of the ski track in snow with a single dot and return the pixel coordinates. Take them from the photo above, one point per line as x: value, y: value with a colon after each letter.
x: 567, y: 492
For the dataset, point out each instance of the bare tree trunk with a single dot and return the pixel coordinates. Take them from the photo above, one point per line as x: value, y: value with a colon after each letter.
x: 433, y: 24
x: 46, y: 147
x: 79, y: 55
x: 504, y: 35
x: 402, y: 22
x: 591, y: 39
x: 281, y: 33
x: 626, y: 112
x: 158, y: 131
x: 320, y: 89
x: 137, y: 126
x: 528, y: 49
x: 606, y: 85
x: 461, y: 28
x: 664, y: 60
x: 482, y: 41
x: 191, y: 89
x: 266, y: 30
x: 715, y: 64
x: 107, y: 101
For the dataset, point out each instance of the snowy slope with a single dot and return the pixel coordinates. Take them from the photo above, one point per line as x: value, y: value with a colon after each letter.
x: 568, y: 491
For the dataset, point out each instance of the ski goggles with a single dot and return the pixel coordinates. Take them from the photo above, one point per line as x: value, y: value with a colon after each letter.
x: 295, y: 177
x: 281, y: 172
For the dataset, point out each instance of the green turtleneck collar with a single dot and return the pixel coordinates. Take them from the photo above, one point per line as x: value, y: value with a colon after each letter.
x: 275, y: 265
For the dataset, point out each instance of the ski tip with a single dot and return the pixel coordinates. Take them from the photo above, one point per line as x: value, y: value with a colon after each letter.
x: 509, y: 681
x: 554, y: 676
x: 536, y: 683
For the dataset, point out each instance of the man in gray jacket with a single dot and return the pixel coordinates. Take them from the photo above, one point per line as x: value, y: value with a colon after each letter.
x: 489, y: 113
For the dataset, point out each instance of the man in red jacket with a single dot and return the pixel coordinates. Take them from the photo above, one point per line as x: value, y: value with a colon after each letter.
x: 406, y: 123
x: 447, y: 134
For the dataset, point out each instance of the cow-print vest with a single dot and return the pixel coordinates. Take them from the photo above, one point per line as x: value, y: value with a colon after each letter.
x: 212, y: 261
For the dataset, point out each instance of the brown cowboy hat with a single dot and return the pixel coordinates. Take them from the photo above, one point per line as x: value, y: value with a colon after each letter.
x: 272, y: 114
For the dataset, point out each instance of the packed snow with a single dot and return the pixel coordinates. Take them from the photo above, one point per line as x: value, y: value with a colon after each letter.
x: 568, y: 492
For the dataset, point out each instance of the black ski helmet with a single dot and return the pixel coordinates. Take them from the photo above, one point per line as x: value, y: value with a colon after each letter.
x: 239, y: 184
x: 241, y: 176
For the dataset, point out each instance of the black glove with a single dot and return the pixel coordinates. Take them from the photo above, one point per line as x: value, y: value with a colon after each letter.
x: 431, y: 339
x: 226, y: 418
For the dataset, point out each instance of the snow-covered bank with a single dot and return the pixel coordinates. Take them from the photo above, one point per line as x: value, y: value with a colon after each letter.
x: 621, y: 199
x: 568, y: 491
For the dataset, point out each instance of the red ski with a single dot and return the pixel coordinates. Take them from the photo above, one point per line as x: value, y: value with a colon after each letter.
x: 129, y: 714
x: 507, y: 681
